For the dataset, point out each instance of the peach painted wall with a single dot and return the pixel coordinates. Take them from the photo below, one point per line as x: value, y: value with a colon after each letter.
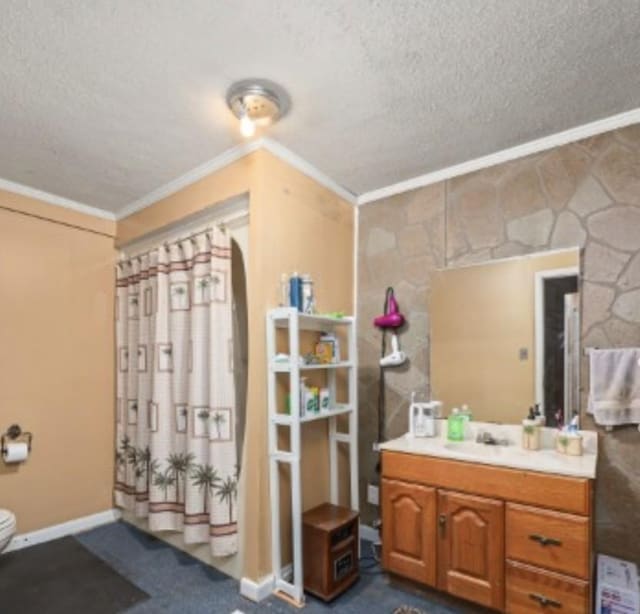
x: 295, y: 225
x: 56, y: 359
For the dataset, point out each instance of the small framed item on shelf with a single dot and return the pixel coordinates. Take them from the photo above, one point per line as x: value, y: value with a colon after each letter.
x: 328, y: 349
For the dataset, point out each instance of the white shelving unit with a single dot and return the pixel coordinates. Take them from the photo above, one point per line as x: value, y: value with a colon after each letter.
x: 295, y: 322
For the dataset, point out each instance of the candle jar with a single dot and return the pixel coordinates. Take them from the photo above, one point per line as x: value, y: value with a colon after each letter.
x: 569, y: 443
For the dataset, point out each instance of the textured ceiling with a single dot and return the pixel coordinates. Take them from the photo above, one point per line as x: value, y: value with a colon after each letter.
x: 103, y: 102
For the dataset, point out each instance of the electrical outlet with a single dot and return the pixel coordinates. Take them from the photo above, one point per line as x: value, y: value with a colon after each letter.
x: 373, y: 494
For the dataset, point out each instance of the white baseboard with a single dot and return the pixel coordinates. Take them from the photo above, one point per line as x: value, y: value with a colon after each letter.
x: 369, y: 533
x: 256, y: 591
x: 77, y: 525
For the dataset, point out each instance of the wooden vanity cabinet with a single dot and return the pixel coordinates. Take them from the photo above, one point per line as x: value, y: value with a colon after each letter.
x: 471, y: 548
x: 511, y: 540
x: 409, y: 533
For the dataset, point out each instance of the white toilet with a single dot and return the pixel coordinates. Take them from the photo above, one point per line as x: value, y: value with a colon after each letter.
x: 7, y: 528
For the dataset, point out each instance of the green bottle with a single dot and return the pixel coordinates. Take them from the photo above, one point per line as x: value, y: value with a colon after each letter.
x: 455, y: 425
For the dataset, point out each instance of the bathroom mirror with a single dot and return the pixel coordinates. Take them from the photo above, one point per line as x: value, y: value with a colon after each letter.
x: 505, y: 335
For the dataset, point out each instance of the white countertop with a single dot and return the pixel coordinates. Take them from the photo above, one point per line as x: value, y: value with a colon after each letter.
x: 545, y: 460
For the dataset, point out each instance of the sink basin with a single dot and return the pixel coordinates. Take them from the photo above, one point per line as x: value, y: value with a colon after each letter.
x: 545, y: 460
x: 474, y: 449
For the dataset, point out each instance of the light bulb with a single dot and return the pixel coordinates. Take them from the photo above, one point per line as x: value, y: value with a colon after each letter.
x: 247, y: 127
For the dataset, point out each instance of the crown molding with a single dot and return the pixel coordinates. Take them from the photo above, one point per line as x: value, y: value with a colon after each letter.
x: 199, y: 172
x: 306, y: 168
x: 274, y: 147
x: 228, y: 157
x: 512, y: 153
x: 53, y: 199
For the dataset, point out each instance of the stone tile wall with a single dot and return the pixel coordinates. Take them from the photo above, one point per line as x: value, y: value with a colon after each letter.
x: 587, y: 194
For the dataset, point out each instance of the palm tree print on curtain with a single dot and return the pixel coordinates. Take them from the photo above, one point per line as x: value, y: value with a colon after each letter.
x: 182, y: 474
x: 206, y: 479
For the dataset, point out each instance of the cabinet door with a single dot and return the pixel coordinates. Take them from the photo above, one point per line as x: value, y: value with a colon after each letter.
x: 471, y: 548
x: 409, y: 530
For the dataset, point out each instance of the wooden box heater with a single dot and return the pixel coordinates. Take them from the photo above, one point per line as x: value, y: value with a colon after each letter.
x: 330, y: 550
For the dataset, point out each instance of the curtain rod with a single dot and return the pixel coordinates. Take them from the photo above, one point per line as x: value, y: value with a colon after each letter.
x: 166, y: 244
x: 229, y: 212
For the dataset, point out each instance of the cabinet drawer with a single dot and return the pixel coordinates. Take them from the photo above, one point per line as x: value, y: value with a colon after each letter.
x: 556, y: 541
x: 531, y: 590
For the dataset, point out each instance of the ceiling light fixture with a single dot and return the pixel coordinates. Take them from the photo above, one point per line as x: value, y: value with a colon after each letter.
x: 257, y: 103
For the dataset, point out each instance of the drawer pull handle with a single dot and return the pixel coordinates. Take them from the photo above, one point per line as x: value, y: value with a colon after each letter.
x: 545, y: 541
x: 545, y: 601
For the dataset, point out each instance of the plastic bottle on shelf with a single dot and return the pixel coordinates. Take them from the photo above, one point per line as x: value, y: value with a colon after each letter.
x: 295, y: 291
x: 284, y: 290
x: 308, y: 298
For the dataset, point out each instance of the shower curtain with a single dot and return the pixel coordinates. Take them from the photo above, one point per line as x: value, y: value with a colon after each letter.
x: 175, y: 451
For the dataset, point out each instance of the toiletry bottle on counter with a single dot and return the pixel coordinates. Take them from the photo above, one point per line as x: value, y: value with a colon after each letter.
x: 455, y: 425
x: 465, y: 412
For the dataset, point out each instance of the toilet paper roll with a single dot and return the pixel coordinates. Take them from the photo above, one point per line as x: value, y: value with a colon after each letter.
x: 15, y: 452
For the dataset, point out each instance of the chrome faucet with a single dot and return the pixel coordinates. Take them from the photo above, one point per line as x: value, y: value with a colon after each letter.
x: 489, y: 440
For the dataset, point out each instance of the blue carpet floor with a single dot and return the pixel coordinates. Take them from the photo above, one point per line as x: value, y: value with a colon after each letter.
x: 179, y: 584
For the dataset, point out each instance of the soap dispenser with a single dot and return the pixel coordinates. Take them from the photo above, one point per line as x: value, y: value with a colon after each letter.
x: 531, y: 431
x: 422, y: 416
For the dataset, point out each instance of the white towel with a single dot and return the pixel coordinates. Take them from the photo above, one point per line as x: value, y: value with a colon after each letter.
x: 614, y: 388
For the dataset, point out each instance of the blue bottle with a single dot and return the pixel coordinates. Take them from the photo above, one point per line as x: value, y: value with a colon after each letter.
x: 295, y: 291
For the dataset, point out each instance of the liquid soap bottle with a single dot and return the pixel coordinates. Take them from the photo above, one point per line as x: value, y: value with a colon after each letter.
x: 455, y: 425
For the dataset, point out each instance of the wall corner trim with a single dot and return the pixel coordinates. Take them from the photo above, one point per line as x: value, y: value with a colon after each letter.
x: 306, y: 168
x: 257, y: 591
x: 54, y: 199
x: 607, y: 124
x: 77, y: 525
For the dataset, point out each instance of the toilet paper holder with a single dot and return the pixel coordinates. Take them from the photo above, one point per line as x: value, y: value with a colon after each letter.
x: 12, y: 433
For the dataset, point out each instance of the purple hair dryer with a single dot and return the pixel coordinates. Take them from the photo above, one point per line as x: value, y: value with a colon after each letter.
x: 392, y: 318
